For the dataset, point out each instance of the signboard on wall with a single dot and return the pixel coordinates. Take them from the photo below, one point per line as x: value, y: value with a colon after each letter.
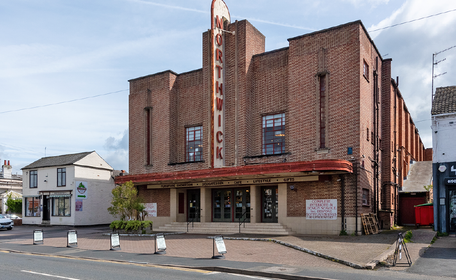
x: 219, y: 16
x: 78, y: 205
x: 151, y: 209
x: 81, y: 190
x: 321, y: 209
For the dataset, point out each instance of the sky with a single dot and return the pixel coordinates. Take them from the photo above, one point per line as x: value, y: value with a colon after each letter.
x: 65, y: 64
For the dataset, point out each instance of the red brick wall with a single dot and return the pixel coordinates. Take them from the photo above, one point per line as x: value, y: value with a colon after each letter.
x: 284, y: 80
x: 159, y: 196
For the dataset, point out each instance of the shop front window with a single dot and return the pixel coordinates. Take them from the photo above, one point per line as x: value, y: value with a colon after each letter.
x: 61, y: 206
x: 32, y: 207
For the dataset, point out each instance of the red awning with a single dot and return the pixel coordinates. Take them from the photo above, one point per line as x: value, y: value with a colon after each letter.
x: 246, y: 170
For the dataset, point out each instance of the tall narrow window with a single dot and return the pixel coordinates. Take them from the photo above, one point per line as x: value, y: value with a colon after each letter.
x: 61, y: 177
x: 148, y: 135
x: 365, y: 70
x: 33, y: 179
x: 274, y: 134
x: 194, y: 143
x: 323, y: 111
x: 366, y: 197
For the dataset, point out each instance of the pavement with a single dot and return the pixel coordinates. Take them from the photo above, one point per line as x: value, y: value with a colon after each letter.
x: 282, y: 257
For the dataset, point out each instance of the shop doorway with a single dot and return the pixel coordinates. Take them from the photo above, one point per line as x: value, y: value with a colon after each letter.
x: 269, y: 205
x: 46, y: 208
x: 452, y: 209
x: 222, y: 201
x: 193, y: 204
x: 230, y: 205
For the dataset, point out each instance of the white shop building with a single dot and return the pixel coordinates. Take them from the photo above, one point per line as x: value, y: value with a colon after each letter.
x: 73, y: 189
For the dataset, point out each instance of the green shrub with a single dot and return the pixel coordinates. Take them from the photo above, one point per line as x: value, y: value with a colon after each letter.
x: 117, y: 225
x: 343, y: 232
x: 408, y: 236
x: 132, y: 225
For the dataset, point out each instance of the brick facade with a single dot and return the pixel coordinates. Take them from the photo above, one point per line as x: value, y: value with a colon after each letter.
x: 365, y: 120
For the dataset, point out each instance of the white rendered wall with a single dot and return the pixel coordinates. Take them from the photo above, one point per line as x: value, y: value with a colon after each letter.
x: 443, y: 138
x: 99, y: 196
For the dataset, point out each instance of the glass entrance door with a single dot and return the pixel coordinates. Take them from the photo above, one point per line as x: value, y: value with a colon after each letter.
x: 242, y: 205
x: 222, y: 205
x: 452, y: 209
x: 193, y: 199
x: 270, y: 205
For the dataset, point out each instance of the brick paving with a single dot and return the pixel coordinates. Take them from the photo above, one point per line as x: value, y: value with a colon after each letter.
x: 355, y: 249
x: 199, y: 246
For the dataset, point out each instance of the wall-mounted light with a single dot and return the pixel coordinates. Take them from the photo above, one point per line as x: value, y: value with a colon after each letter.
x: 292, y: 187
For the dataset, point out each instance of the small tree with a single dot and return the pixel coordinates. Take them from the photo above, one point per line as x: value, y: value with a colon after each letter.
x: 126, y: 203
x: 14, y: 204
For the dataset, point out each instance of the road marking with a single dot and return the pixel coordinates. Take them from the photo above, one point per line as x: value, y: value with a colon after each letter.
x: 48, y: 275
x: 110, y: 261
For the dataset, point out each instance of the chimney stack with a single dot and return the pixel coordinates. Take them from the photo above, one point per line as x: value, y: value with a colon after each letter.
x: 7, y: 170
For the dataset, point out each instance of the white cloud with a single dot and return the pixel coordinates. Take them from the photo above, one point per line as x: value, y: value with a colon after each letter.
x: 371, y: 3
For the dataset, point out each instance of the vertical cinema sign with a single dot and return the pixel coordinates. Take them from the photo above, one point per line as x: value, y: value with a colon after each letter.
x: 219, y: 15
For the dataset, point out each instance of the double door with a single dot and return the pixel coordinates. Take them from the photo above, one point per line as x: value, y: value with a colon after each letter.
x: 230, y: 205
x: 270, y: 204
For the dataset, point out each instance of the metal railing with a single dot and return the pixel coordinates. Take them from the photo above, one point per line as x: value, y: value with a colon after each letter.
x: 243, y: 221
x: 192, y: 220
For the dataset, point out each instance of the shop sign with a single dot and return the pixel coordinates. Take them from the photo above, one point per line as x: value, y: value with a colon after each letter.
x: 220, y: 244
x: 81, y: 190
x: 238, y: 182
x: 78, y: 205
x: 450, y: 181
x: 321, y: 209
x: 151, y: 209
x: 219, y: 16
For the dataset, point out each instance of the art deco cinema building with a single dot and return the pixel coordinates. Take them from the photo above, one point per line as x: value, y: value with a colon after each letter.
x: 291, y: 136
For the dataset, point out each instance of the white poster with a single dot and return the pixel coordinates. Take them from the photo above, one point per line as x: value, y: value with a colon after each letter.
x: 37, y: 236
x: 220, y: 244
x: 115, y: 240
x: 151, y: 209
x: 321, y: 209
x: 81, y: 190
x: 72, y: 237
x: 161, y: 244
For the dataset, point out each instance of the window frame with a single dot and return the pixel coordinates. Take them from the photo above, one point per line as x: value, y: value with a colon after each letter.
x: 61, y: 177
x: 33, y: 183
x: 36, y: 209
x: 367, y: 201
x: 264, y: 125
x: 191, y: 141
x: 66, y: 206
x: 365, y: 70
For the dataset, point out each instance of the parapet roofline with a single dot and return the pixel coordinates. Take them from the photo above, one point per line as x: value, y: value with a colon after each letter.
x: 339, y: 27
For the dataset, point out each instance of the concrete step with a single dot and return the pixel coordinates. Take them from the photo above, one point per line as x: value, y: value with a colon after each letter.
x: 227, y: 228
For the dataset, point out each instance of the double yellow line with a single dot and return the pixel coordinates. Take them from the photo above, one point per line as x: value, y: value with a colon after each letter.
x: 111, y: 261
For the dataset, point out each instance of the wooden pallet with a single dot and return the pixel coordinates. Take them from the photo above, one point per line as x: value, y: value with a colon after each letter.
x: 370, y: 223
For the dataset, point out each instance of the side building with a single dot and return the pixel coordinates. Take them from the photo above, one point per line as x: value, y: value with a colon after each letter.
x: 444, y: 160
x: 292, y: 136
x: 73, y: 189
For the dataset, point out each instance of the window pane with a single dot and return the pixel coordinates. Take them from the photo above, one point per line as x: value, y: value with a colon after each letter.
x: 194, y: 144
x: 274, y: 134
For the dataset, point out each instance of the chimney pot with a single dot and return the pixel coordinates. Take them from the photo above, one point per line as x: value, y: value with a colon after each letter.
x: 8, y: 162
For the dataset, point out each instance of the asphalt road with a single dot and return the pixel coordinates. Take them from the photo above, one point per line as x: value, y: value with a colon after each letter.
x: 52, y: 266
x: 25, y: 267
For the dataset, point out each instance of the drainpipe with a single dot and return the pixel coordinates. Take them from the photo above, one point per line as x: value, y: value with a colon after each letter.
x: 342, y: 190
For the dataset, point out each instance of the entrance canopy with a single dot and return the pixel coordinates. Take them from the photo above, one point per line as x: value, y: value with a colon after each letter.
x: 275, y: 172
